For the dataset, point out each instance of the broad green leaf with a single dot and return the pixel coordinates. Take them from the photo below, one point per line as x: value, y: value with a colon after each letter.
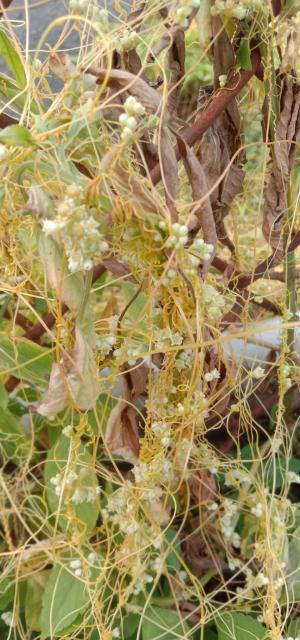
x: 17, y: 136
x: 35, y: 586
x: 293, y: 579
x: 11, y: 91
x: 65, y: 598
x: 294, y: 628
x: 12, y: 59
x: 163, y: 624
x: 6, y: 593
x: 58, y: 460
x: 24, y: 359
x: 243, y: 55
x: 130, y: 625
x: 71, y: 285
x: 238, y: 626
x: 172, y: 546
x: 13, y: 444
x: 3, y: 397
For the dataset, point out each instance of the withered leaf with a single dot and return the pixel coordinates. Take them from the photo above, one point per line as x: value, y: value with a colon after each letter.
x: 199, y: 186
x: 169, y: 171
x: 287, y: 134
x: 121, y: 436
x: 74, y: 380
x: 125, y: 80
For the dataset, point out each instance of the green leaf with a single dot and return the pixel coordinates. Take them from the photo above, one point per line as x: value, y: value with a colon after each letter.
x: 35, y: 586
x: 293, y: 580
x: 172, y: 546
x: 12, y: 441
x: 130, y: 625
x: 294, y: 628
x: 163, y: 624
x: 12, y: 59
x: 238, y: 626
x: 65, y: 598
x: 24, y: 359
x: 243, y: 55
x: 71, y: 285
x: 11, y: 91
x: 17, y: 136
x: 6, y: 593
x: 3, y: 397
x: 58, y: 460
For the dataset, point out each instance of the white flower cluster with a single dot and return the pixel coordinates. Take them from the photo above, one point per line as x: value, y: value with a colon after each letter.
x: 214, y: 304
x: 91, y: 10
x: 257, y: 373
x: 258, y: 510
x: 78, y: 230
x: 183, y: 12
x: 184, y: 360
x: 163, y: 337
x: 214, y: 374
x: 71, y: 481
x: 285, y: 379
x: 76, y: 566
x: 105, y: 343
x: 178, y: 236
x: 128, y: 119
x: 228, y: 523
x: 239, y: 9
x: 150, y: 474
x: 237, y: 476
x: 131, y: 352
x: 128, y: 41
x: 3, y: 152
x: 8, y: 618
x: 202, y: 249
x: 161, y: 430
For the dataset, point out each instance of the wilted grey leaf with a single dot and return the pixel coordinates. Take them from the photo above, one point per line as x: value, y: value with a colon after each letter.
x: 74, y: 380
x: 121, y: 435
x: 38, y: 201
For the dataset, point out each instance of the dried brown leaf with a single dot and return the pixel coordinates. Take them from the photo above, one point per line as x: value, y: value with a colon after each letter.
x: 199, y: 186
x: 287, y: 135
x: 121, y: 437
x: 136, y: 86
x: 169, y: 171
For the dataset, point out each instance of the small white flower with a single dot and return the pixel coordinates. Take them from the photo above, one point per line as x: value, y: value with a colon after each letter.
x: 213, y: 506
x: 3, y: 152
x: 258, y: 373
x: 212, y: 375
x: 92, y: 557
x: 78, y: 573
x: 68, y: 431
x: 116, y: 633
x: 75, y: 564
x: 8, y: 618
x: 52, y: 226
x: 258, y: 510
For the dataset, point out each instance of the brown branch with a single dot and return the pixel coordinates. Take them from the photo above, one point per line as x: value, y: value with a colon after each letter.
x: 214, y: 109
x: 19, y: 319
